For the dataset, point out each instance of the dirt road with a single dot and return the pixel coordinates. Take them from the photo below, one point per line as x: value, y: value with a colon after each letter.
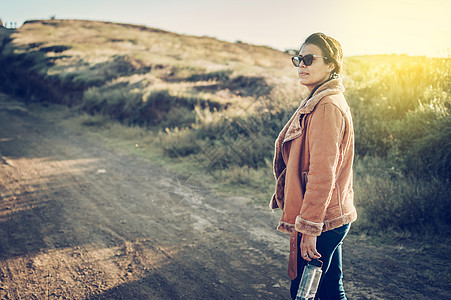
x: 79, y: 220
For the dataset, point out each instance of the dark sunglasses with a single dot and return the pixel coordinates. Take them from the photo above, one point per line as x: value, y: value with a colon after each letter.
x: 307, y: 59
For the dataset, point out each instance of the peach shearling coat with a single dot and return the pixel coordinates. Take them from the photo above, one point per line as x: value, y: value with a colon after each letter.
x: 313, y: 160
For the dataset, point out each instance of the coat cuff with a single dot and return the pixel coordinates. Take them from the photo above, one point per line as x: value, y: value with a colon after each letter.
x: 286, y: 227
x: 308, y: 227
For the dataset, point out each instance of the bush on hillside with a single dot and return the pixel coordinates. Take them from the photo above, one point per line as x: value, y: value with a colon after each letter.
x: 402, y: 115
x: 387, y: 199
x: 221, y: 75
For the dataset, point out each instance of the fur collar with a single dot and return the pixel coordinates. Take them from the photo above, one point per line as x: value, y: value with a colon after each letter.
x: 292, y: 129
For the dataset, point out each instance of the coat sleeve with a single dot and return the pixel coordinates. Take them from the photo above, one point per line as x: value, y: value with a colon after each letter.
x: 325, y: 137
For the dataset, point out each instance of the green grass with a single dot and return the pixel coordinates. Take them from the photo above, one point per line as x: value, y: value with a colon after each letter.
x: 215, y: 108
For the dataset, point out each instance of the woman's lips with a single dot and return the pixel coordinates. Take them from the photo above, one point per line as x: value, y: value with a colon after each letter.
x: 303, y: 73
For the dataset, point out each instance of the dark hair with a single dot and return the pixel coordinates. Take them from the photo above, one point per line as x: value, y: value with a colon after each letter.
x: 330, y: 47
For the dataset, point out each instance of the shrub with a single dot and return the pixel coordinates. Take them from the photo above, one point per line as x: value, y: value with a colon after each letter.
x: 178, y: 142
x: 221, y: 75
x: 386, y: 199
x: 396, y: 108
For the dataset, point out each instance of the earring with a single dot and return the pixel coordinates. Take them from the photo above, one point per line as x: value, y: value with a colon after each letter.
x: 334, y: 75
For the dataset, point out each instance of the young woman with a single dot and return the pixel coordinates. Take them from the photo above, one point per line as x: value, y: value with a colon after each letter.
x: 313, y: 160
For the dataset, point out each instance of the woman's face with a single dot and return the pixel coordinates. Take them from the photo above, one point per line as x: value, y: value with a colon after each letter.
x: 318, y: 72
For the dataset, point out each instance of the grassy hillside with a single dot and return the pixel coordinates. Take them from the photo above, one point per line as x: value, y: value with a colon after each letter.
x: 112, y: 62
x: 218, y: 107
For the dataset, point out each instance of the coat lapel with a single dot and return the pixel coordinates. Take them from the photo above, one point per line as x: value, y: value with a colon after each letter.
x: 292, y: 128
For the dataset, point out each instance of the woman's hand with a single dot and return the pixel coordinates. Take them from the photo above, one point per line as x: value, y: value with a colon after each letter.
x: 308, y: 247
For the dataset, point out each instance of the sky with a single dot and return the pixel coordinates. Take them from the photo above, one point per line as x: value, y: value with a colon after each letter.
x: 363, y: 27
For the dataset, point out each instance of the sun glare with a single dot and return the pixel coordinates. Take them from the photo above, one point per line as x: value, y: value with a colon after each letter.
x: 398, y: 27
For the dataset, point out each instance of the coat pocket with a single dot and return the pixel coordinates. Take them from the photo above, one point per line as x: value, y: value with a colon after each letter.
x: 304, y: 180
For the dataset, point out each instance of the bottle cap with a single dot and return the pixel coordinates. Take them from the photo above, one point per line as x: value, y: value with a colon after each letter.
x: 316, y: 263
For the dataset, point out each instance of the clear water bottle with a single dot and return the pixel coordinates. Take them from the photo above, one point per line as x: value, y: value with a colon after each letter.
x: 310, y: 280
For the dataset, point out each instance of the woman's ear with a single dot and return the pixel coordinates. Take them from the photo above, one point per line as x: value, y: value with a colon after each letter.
x: 330, y: 67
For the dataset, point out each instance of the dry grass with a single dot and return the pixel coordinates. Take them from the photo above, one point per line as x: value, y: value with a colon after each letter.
x: 218, y: 106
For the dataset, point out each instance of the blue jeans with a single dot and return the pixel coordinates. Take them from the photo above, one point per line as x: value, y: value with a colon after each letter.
x: 328, y: 245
